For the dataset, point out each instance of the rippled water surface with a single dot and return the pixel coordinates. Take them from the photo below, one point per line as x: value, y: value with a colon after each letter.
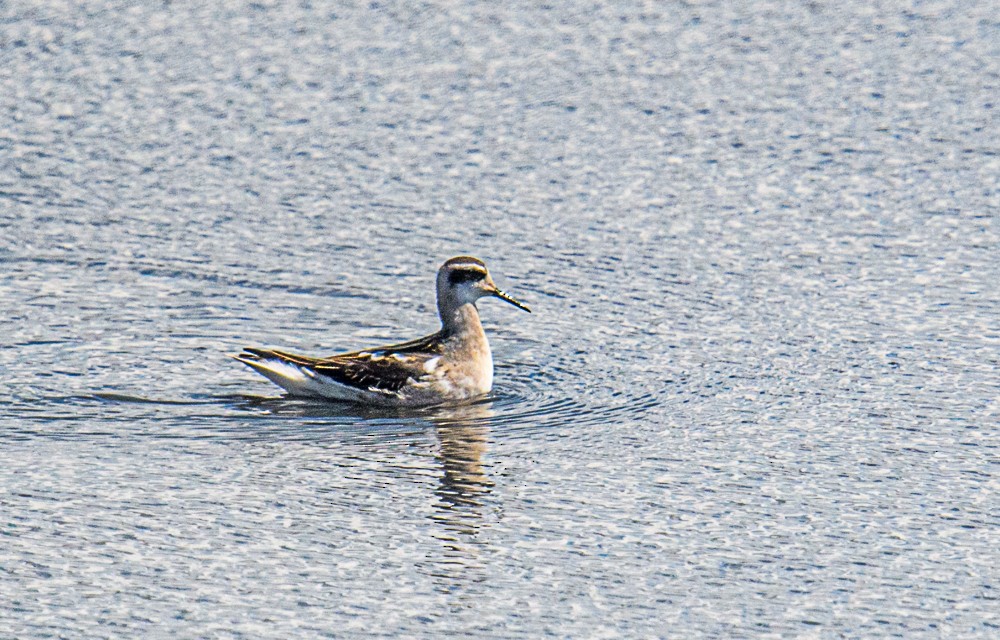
x: 758, y: 396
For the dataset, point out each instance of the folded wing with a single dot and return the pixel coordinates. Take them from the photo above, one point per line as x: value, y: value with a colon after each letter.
x: 384, y: 370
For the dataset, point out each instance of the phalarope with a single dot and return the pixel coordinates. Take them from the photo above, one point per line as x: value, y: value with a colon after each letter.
x: 453, y: 364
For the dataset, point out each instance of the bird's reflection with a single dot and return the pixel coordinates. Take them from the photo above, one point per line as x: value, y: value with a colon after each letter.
x: 463, y: 433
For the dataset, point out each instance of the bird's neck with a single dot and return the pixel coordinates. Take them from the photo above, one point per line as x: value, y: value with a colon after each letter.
x: 461, y: 322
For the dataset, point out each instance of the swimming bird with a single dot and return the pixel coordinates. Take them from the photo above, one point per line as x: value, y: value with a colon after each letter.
x: 453, y: 364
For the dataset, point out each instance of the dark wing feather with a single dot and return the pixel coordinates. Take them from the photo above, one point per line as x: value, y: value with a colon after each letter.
x: 253, y: 353
x: 371, y: 372
x: 378, y: 368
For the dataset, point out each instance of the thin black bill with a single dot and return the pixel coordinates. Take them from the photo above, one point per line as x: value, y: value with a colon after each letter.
x: 506, y: 298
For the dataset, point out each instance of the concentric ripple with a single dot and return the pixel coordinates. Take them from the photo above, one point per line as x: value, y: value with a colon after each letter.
x: 534, y: 396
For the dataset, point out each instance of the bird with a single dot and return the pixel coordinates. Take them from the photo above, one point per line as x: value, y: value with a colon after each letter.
x: 451, y: 365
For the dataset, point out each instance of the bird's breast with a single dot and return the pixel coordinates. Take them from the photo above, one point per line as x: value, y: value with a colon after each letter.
x: 468, y: 369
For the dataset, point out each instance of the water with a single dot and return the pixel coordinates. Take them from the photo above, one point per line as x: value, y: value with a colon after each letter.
x: 758, y: 395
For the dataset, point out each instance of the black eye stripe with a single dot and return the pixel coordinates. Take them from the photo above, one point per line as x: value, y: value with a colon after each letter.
x: 465, y: 275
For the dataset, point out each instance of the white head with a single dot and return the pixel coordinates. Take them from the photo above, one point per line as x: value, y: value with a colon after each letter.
x: 463, y: 280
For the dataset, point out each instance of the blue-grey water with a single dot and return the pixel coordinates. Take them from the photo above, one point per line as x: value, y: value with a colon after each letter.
x: 758, y: 396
